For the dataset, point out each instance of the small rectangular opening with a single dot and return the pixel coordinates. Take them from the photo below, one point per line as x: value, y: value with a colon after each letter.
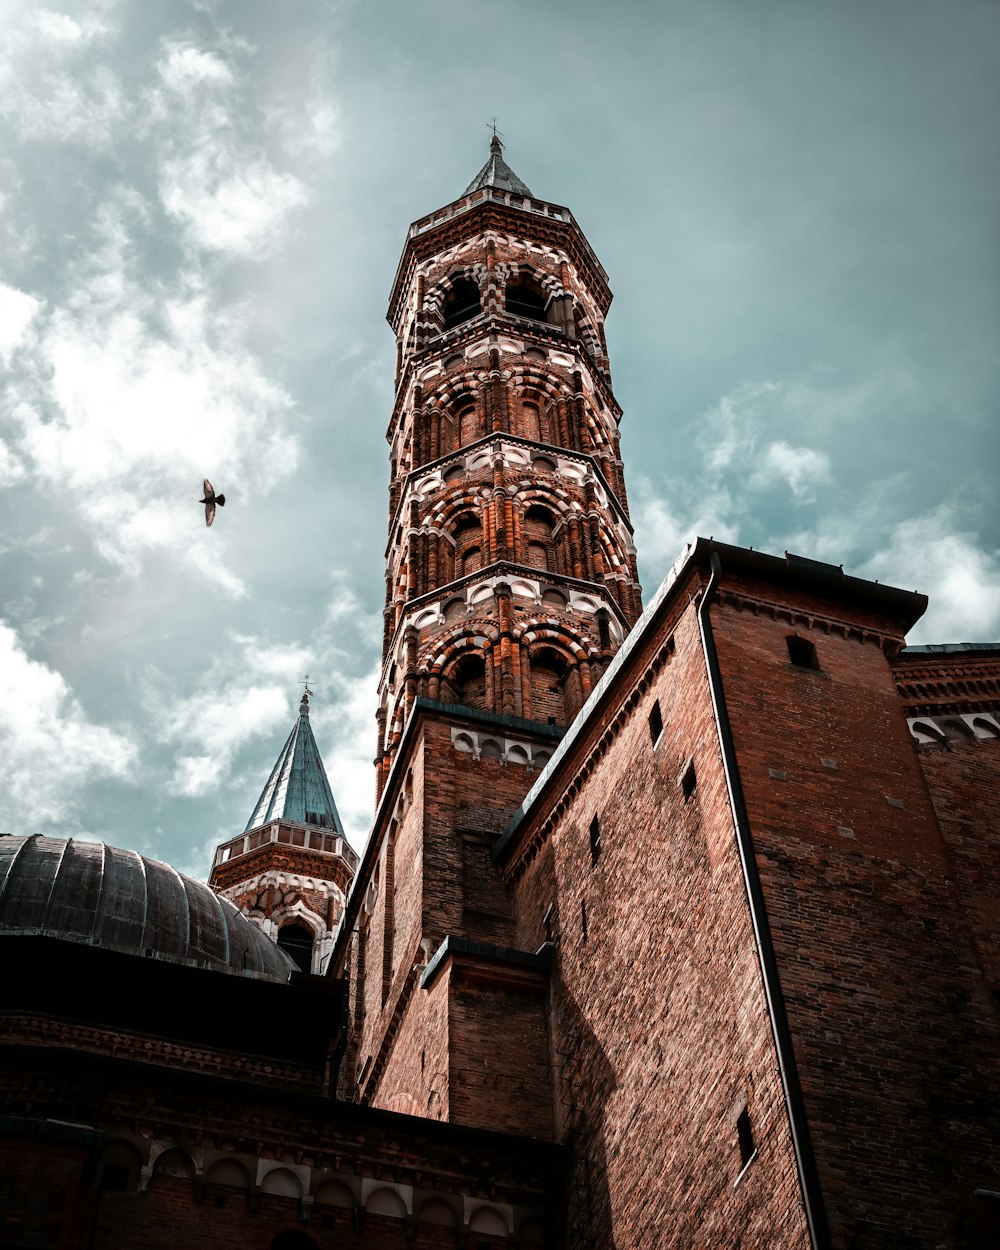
x: 689, y: 780
x: 655, y: 723
x: 583, y: 919
x: 802, y: 652
x: 745, y: 1135
x: 595, y: 839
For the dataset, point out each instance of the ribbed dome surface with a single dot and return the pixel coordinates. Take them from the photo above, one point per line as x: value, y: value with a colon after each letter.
x: 96, y: 894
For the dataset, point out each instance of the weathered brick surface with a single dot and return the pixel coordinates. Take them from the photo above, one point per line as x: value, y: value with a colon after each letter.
x: 959, y: 695
x: 894, y: 1030
x: 222, y: 1164
x: 660, y: 1036
x: 413, y: 1044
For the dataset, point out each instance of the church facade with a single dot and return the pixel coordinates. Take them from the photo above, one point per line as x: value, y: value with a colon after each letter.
x: 674, y: 928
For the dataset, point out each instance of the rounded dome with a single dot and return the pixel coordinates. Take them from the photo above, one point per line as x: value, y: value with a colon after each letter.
x: 101, y: 896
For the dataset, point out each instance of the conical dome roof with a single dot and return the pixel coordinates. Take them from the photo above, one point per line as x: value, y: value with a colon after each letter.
x: 297, y: 788
x: 497, y: 173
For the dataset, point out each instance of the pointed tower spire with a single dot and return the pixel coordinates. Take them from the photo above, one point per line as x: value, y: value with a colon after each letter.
x: 290, y: 869
x: 297, y: 788
x: 497, y: 173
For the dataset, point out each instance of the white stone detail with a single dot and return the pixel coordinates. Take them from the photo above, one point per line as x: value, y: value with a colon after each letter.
x: 496, y: 746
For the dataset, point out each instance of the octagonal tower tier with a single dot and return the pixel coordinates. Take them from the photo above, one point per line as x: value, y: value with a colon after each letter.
x: 510, y: 567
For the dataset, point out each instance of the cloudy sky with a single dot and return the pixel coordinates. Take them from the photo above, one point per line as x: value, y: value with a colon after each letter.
x: 203, y: 204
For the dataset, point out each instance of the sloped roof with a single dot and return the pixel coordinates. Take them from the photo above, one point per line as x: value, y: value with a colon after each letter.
x: 497, y: 173
x: 98, y: 895
x: 297, y: 788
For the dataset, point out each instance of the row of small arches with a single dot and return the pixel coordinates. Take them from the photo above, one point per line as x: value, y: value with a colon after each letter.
x: 567, y: 545
x: 481, y: 747
x: 942, y: 730
x: 121, y: 1163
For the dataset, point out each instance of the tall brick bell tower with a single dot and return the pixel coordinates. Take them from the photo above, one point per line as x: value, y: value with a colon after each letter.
x: 510, y: 584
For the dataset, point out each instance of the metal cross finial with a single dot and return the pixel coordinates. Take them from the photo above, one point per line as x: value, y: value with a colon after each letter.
x: 492, y: 123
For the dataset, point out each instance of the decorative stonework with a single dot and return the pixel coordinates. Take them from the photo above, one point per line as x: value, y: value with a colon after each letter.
x: 511, y: 576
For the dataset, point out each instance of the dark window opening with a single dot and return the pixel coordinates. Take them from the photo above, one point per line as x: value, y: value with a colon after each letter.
x: 595, y: 839
x: 462, y: 303
x: 297, y: 941
x: 655, y: 723
x: 115, y: 1177
x: 293, y: 1240
x: 219, y: 1200
x: 583, y: 919
x: 689, y: 780
x: 745, y: 1135
x: 524, y: 300
x: 468, y: 681
x: 801, y: 652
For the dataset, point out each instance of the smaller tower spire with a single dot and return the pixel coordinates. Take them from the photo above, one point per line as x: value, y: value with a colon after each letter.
x: 290, y: 869
x: 297, y: 788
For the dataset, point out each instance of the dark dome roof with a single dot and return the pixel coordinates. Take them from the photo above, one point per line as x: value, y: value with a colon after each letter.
x: 96, y: 894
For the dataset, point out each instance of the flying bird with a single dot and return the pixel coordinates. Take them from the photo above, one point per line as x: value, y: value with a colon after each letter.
x: 210, y: 500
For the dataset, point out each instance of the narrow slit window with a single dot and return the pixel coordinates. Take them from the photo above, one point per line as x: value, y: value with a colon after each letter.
x: 595, y: 839
x: 689, y: 780
x: 655, y: 723
x: 744, y: 1134
x: 583, y: 919
x: 802, y: 652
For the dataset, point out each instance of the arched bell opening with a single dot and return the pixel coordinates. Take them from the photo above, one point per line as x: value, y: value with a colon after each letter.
x: 466, y: 533
x: 525, y: 298
x: 296, y: 940
x: 537, y: 529
x: 552, y: 687
x: 465, y: 682
x: 462, y: 303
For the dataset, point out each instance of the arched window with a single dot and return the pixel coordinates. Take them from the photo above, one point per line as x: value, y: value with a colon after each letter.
x: 537, y: 528
x: 468, y: 682
x: 529, y: 424
x: 549, y: 671
x: 523, y: 298
x: 467, y: 424
x: 462, y: 303
x: 466, y: 533
x: 296, y: 940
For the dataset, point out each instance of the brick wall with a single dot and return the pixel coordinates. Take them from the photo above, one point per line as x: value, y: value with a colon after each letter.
x: 895, y: 1034
x: 660, y: 1036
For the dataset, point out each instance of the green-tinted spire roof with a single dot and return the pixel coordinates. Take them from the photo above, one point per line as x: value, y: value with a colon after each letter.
x: 297, y: 788
x: 497, y: 173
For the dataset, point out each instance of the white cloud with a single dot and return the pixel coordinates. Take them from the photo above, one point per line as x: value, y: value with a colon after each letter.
x: 932, y: 554
x: 49, y: 750
x: 800, y: 468
x: 229, y: 202
x: 664, y: 524
x: 17, y: 311
x: 52, y: 87
x: 350, y: 750
x: 133, y: 401
x: 60, y: 28
x: 218, y: 185
x: 185, y: 67
x: 246, y: 694
x: 12, y: 468
x: 216, y: 724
